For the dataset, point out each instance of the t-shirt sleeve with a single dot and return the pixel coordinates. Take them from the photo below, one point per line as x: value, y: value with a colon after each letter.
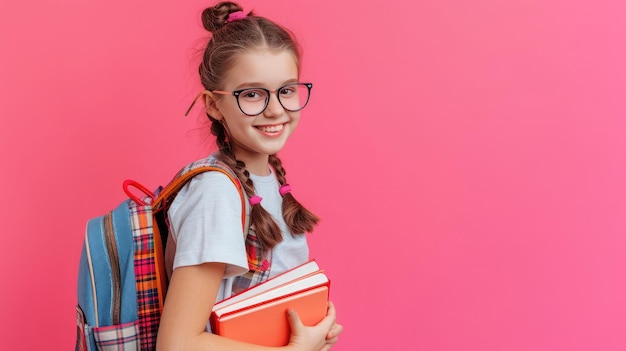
x: 205, y: 220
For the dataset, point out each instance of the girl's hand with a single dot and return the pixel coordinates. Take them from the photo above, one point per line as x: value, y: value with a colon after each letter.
x: 320, y: 337
x: 333, y: 335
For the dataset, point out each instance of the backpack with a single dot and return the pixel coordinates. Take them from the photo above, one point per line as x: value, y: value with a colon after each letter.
x: 121, y: 278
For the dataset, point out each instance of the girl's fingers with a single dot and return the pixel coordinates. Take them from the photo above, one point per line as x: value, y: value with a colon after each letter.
x: 294, y: 320
x: 331, y: 309
x: 334, y: 332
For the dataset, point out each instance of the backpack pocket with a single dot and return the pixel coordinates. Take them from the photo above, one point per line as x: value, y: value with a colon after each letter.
x: 122, y: 337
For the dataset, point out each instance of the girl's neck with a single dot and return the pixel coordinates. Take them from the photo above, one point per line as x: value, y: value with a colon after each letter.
x: 257, y: 164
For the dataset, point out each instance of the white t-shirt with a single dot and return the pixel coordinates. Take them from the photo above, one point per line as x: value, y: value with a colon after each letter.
x: 205, y: 221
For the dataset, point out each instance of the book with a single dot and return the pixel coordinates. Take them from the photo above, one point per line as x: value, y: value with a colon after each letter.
x: 258, y: 315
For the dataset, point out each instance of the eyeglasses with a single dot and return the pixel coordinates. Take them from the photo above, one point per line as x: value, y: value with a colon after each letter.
x: 253, y: 101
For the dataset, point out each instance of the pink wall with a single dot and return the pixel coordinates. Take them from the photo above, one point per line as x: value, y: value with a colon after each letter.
x: 468, y: 159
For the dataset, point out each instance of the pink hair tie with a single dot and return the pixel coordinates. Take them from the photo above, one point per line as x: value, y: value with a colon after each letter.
x: 235, y: 16
x: 284, y: 189
x: 255, y: 200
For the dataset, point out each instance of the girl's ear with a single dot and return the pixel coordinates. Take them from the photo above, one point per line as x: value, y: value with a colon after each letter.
x: 210, y: 103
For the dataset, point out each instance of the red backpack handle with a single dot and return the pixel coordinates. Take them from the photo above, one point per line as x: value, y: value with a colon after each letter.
x: 128, y: 183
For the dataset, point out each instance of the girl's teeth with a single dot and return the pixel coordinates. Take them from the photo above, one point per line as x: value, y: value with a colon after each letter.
x: 272, y: 129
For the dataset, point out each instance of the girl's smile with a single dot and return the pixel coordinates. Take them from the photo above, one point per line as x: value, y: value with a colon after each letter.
x: 271, y: 130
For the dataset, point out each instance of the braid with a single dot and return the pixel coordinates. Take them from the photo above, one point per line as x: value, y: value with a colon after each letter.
x: 218, y: 130
x: 299, y: 220
x: 267, y: 231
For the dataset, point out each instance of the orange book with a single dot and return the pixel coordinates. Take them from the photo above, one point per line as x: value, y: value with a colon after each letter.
x: 259, y: 315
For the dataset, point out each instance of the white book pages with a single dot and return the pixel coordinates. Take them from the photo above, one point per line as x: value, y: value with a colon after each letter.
x: 282, y: 290
x: 297, y: 272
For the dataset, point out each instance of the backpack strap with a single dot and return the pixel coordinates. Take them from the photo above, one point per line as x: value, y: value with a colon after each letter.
x: 167, y: 194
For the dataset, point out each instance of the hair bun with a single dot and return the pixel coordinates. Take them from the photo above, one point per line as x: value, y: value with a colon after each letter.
x: 214, y: 18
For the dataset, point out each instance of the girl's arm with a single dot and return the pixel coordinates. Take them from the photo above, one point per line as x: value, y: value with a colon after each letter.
x: 190, y: 297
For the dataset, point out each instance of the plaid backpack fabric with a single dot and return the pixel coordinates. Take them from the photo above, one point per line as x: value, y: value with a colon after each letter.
x: 121, y: 279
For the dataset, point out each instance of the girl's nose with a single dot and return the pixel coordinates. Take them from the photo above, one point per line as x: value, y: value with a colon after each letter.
x: 274, y: 108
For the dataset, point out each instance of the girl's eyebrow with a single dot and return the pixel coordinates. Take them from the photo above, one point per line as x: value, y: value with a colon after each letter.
x: 262, y: 85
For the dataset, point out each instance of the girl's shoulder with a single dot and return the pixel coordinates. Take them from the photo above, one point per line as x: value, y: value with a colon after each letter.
x: 207, y: 190
x: 209, y: 161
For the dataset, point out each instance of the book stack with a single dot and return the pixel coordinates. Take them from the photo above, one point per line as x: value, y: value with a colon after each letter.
x: 259, y: 315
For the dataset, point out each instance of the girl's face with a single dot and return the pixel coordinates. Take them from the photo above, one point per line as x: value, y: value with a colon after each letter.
x: 253, y: 138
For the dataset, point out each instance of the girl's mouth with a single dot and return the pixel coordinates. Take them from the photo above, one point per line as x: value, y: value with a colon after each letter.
x: 271, y: 129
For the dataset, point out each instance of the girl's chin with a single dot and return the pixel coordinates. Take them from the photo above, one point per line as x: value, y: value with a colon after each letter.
x: 254, y: 152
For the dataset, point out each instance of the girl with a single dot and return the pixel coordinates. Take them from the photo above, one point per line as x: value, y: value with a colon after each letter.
x: 250, y: 71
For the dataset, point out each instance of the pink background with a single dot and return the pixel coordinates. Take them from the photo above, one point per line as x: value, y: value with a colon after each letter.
x: 468, y: 159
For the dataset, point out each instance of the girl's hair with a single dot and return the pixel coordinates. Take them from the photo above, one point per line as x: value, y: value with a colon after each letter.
x: 229, y: 40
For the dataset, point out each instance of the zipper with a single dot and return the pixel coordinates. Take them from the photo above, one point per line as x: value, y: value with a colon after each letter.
x: 109, y: 235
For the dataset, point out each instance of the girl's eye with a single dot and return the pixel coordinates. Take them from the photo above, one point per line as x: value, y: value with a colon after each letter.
x: 288, y: 91
x: 253, y: 94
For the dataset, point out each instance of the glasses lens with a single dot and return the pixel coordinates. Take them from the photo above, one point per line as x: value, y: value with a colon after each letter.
x: 294, y: 97
x: 252, y: 101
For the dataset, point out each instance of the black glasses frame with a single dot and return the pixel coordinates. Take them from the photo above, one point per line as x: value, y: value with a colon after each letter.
x: 237, y: 93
